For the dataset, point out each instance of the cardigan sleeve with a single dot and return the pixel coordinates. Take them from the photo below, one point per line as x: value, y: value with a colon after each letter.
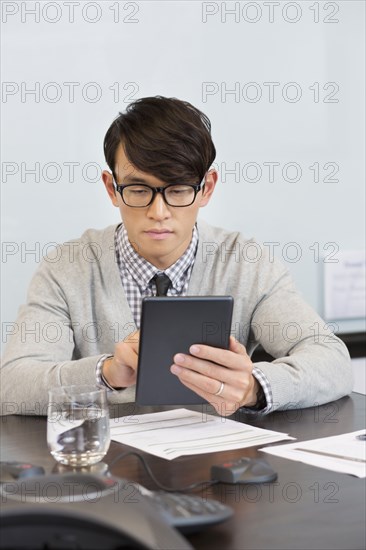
x: 311, y: 364
x: 58, y: 338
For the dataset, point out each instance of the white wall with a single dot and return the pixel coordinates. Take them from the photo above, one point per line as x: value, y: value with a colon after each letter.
x: 313, y: 112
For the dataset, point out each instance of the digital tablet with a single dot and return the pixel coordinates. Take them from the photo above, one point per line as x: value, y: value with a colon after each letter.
x: 170, y: 325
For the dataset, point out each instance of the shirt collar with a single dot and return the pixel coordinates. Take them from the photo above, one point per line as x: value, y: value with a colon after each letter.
x: 143, y: 271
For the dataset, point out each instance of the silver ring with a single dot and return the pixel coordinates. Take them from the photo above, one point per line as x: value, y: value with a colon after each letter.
x: 221, y: 389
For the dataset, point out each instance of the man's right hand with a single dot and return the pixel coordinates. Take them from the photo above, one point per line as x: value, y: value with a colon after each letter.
x: 120, y: 371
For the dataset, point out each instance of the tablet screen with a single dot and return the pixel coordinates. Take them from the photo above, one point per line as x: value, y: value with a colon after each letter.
x: 170, y: 325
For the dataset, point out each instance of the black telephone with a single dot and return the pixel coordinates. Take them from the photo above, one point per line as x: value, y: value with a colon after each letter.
x: 91, y: 511
x: 81, y: 511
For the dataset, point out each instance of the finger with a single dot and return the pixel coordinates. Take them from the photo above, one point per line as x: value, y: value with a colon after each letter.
x: 234, y: 358
x: 208, y: 369
x: 237, y: 347
x: 133, y: 339
x: 206, y: 395
x: 125, y: 355
x: 121, y: 369
x: 235, y: 386
x: 202, y: 382
x: 223, y: 406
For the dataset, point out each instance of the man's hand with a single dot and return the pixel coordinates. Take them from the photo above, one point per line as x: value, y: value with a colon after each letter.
x: 120, y: 371
x: 209, y: 371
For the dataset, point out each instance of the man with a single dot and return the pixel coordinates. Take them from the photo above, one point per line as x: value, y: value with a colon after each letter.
x: 87, y: 301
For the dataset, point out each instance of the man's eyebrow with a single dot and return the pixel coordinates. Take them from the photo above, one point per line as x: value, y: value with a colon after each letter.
x: 134, y: 179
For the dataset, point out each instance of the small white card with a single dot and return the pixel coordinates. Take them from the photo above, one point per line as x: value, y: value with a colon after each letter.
x: 345, y: 286
x: 344, y: 453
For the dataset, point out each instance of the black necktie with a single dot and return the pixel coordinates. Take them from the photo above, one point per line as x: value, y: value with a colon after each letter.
x: 162, y: 283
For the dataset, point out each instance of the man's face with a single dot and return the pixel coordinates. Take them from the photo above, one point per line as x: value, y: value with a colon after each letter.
x: 158, y: 232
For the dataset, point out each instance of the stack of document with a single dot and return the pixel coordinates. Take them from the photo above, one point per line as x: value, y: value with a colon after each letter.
x: 174, y: 433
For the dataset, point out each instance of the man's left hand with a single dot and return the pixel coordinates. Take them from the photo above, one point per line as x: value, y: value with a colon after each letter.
x: 226, y: 373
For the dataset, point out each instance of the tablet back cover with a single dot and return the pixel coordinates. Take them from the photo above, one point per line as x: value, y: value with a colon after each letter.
x: 170, y: 325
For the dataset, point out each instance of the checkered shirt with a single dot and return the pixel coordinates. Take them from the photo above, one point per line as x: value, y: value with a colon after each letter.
x: 136, y: 272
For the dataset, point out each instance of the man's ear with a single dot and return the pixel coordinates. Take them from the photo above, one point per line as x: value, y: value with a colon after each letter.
x: 210, y: 183
x: 109, y: 185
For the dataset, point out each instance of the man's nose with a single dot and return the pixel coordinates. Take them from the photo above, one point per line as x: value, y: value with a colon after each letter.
x: 158, y: 208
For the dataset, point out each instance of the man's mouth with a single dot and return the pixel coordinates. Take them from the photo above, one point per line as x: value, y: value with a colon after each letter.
x: 159, y: 234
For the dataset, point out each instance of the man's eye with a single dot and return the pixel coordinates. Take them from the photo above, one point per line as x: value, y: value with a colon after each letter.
x: 138, y: 191
x: 179, y: 190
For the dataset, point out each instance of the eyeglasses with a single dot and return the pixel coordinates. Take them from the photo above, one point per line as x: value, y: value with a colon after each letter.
x: 141, y: 195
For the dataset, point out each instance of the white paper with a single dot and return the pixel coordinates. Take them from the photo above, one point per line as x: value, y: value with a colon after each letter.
x: 174, y: 433
x: 349, y: 453
x: 344, y: 286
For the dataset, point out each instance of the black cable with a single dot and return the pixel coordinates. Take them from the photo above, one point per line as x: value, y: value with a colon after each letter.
x: 148, y: 470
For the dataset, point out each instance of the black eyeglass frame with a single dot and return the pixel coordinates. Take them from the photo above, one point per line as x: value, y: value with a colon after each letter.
x: 196, y: 188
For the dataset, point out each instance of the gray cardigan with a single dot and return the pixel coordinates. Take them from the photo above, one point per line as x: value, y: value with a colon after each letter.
x: 77, y: 309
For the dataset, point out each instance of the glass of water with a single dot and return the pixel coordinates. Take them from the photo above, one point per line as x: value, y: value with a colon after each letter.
x: 78, y: 425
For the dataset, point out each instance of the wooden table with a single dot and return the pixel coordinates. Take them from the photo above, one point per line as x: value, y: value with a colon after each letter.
x: 306, y: 508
